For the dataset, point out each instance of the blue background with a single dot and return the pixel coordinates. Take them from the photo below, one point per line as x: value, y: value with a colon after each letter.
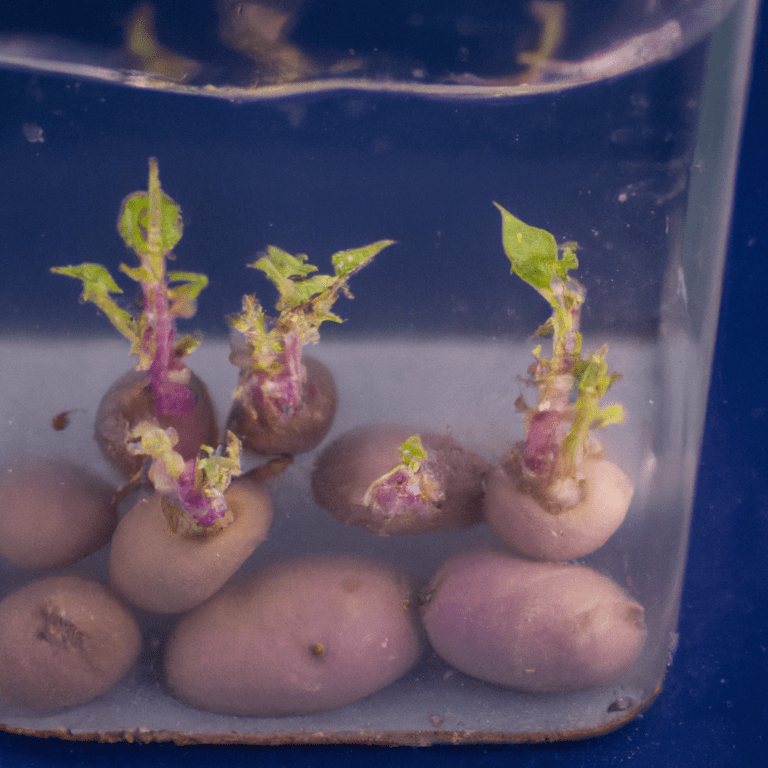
x: 714, y: 708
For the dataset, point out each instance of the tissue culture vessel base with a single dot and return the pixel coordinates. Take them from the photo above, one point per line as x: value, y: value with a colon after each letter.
x: 436, y: 336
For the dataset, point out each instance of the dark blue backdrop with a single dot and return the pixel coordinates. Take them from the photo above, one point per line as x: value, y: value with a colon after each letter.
x: 714, y: 709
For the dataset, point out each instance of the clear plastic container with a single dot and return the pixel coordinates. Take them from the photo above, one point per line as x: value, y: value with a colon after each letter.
x: 329, y: 126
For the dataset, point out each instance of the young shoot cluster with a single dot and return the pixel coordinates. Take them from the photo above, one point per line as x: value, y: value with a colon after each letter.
x: 192, y: 492
x: 272, y: 373
x: 558, y: 428
x: 150, y: 224
x: 412, y: 486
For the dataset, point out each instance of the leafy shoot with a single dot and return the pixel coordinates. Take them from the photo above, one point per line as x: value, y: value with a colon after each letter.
x: 150, y: 224
x: 410, y: 486
x: 192, y: 491
x: 272, y: 374
x: 559, y: 426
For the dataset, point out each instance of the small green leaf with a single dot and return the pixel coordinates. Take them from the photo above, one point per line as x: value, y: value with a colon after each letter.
x: 214, y: 473
x: 133, y: 223
x: 96, y: 279
x: 532, y: 252
x: 97, y: 287
x: 150, y: 439
x: 183, y: 297
x: 279, y: 265
x: 346, y: 263
x: 140, y: 274
x: 187, y: 344
x: 612, y: 414
x: 547, y: 328
x: 412, y: 452
x: 289, y: 275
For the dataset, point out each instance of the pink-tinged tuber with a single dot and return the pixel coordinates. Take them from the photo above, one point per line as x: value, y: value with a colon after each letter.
x: 536, y: 627
x: 53, y: 513
x: 179, y: 546
x: 129, y: 401
x: 308, y: 424
x: 295, y: 638
x: 531, y: 530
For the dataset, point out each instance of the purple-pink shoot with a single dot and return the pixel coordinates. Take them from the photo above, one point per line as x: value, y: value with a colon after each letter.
x: 412, y: 486
x: 192, y: 491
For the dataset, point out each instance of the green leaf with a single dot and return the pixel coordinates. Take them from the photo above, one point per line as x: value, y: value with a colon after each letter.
x: 133, y: 223
x: 304, y: 291
x: 289, y: 275
x: 593, y: 374
x: 612, y: 414
x: 150, y: 439
x: 305, y: 302
x: 187, y: 344
x: 214, y: 472
x: 97, y: 287
x: 96, y: 279
x: 534, y: 254
x: 140, y: 274
x: 412, y: 452
x: 183, y: 297
x: 346, y: 263
x: 282, y: 267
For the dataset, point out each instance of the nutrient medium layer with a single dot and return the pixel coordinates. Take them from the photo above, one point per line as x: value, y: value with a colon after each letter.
x: 447, y: 699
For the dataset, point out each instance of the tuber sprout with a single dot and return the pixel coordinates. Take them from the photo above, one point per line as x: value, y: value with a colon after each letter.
x: 150, y: 223
x: 558, y: 428
x: 192, y: 491
x: 272, y: 373
x: 413, y: 485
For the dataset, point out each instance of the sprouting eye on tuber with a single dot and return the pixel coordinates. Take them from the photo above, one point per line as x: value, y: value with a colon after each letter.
x: 555, y: 497
x: 179, y: 546
x: 387, y: 479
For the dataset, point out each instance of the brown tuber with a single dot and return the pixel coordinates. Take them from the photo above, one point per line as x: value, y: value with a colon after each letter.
x: 63, y: 642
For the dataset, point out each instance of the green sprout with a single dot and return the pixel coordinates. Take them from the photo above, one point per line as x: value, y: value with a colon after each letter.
x: 272, y: 374
x: 409, y: 486
x: 559, y: 426
x: 150, y: 224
